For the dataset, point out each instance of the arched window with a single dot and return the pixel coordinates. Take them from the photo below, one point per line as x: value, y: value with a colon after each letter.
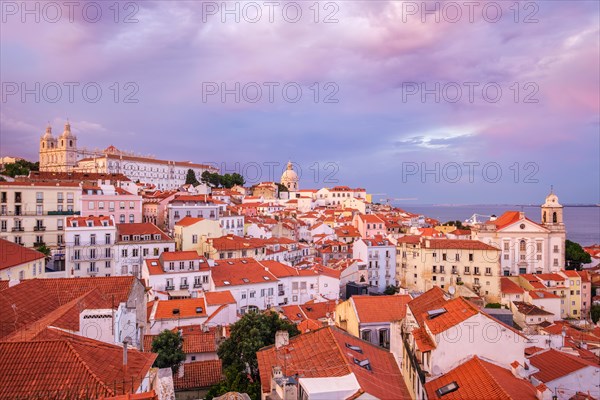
x: 43, y: 145
x: 554, y: 217
x: 366, y: 335
x: 544, y: 217
x: 522, y: 245
x: 70, y: 143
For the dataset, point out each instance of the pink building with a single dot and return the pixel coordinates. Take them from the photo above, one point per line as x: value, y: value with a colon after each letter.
x: 369, y: 225
x: 108, y: 200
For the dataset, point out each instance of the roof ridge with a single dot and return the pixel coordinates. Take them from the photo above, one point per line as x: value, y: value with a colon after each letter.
x: 483, y: 365
x: 86, y: 367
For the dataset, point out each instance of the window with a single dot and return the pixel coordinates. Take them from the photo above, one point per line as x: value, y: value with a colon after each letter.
x: 77, y: 255
x: 124, y: 253
x: 252, y: 294
x: 243, y: 295
x: 131, y: 218
x: 366, y: 335
x: 135, y: 252
x: 121, y: 205
x: 457, y: 257
x: 194, y: 239
x: 506, y: 256
x: 263, y: 292
x: 131, y: 205
x: 100, y: 205
x: 470, y: 256
x: 122, y: 218
x: 107, y: 264
x: 107, y: 252
x: 91, y: 205
x: 76, y: 240
x: 538, y: 247
x: 522, y: 245
x: 444, y: 257
x: 92, y: 238
x: 107, y: 238
x: 488, y: 271
x: 77, y: 266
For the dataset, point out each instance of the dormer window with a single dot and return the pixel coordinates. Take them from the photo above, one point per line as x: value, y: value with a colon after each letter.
x: 156, y: 237
x: 125, y: 238
x: 90, y: 224
x: 136, y: 238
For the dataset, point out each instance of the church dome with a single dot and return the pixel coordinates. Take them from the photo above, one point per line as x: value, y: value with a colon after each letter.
x: 289, y: 175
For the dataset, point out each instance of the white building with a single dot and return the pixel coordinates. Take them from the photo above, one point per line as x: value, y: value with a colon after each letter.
x: 526, y: 246
x: 137, y: 242
x: 176, y: 274
x: 380, y: 256
x: 89, y: 246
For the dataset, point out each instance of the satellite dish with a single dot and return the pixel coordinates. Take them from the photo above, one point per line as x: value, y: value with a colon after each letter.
x: 452, y: 290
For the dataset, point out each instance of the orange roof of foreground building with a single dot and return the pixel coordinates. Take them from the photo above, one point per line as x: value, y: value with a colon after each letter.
x: 479, y: 379
x: 36, y: 298
x: 456, y: 311
x: 324, y: 353
x: 431, y: 299
x: 240, y: 271
x: 380, y: 308
x: 218, y: 298
x: 69, y: 367
x: 12, y: 254
x: 187, y: 221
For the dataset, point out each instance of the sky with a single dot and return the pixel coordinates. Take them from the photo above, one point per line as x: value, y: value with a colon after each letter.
x: 418, y: 102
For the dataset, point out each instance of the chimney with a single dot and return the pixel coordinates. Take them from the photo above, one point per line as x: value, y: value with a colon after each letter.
x: 540, y: 390
x: 282, y: 338
x: 125, y: 342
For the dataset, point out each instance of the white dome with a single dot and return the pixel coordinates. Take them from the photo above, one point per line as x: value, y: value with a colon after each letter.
x: 289, y: 175
x: 552, y: 201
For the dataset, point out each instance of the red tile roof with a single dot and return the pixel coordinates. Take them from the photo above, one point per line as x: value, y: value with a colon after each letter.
x: 187, y: 308
x: 430, y: 300
x: 12, y: 254
x: 180, y: 256
x: 380, y: 308
x: 31, y: 306
x: 187, y: 221
x: 323, y: 353
x: 240, y: 271
x: 529, y: 309
x: 509, y: 287
x: 508, y: 218
x: 423, y: 340
x: 143, y: 228
x: 457, y: 244
x: 479, y: 379
x: 151, y: 395
x: 218, y: 298
x: 554, y: 364
x: 68, y: 367
x: 198, y: 374
x: 457, y: 311
x: 96, y: 221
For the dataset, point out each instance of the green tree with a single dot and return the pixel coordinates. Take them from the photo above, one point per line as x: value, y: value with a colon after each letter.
x: 595, y: 313
x: 575, y: 255
x: 20, y: 167
x: 45, y: 250
x: 169, y: 346
x: 190, y: 178
x: 391, y: 289
x: 493, y: 305
x: 238, y: 352
x: 456, y: 223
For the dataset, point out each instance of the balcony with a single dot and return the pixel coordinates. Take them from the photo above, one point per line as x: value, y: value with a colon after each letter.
x: 454, y: 272
x: 18, y: 229
x: 92, y: 271
x: 64, y: 212
x: 167, y: 288
x: 488, y: 274
x: 281, y: 293
x: 39, y: 228
x: 38, y: 244
x: 197, y: 286
x: 184, y: 286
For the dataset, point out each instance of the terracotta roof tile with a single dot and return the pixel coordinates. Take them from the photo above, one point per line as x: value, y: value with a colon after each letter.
x: 77, y: 364
x: 323, y: 353
x: 12, y: 254
x: 554, y: 364
x: 380, y: 308
x: 143, y: 228
x: 479, y: 379
x: 456, y: 311
x: 509, y: 287
x: 240, y: 271
x: 218, y: 298
x: 430, y: 300
x: 187, y: 221
x: 181, y: 308
x: 199, y: 374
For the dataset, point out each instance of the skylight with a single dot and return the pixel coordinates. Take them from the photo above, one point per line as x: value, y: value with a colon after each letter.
x: 435, y: 313
x: 363, y: 363
x: 355, y: 348
x: 449, y: 388
x: 226, y: 283
x: 154, y: 263
x: 246, y: 280
x: 267, y: 278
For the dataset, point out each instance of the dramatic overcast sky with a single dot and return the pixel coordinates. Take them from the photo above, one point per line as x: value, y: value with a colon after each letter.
x: 369, y: 114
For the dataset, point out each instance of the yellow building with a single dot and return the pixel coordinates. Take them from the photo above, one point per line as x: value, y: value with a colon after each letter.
x: 424, y: 263
x: 566, y: 284
x: 189, y: 232
x: 18, y: 262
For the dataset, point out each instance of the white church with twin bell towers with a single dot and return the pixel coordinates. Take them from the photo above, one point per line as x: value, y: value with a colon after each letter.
x: 61, y: 154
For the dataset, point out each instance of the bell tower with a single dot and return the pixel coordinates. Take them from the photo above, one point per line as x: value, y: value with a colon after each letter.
x: 67, y: 143
x: 48, y: 150
x: 552, y: 210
